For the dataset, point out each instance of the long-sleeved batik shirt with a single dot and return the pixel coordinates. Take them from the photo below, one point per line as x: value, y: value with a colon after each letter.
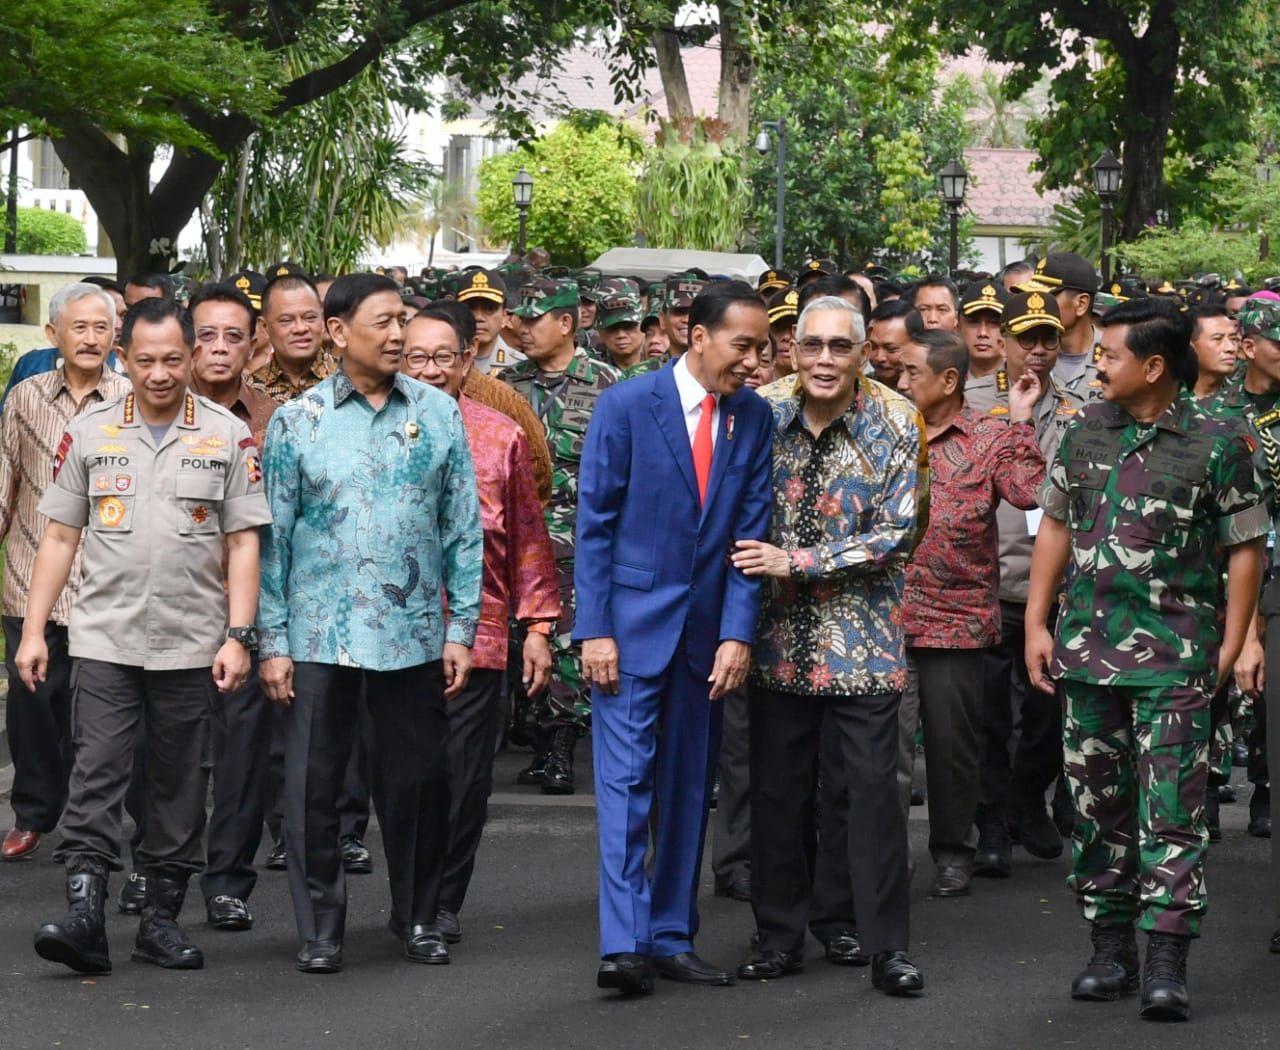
x: 845, y: 511
x: 375, y: 517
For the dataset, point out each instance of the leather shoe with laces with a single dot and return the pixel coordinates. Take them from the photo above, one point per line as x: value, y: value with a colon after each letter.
x: 356, y: 860
x: 19, y: 843
x: 1164, y: 979
x: 844, y: 950
x: 952, y: 880
x: 769, y: 964
x: 687, y: 967
x: 895, y: 974
x: 425, y: 944
x: 320, y: 957
x: 228, y: 913
x: 629, y: 973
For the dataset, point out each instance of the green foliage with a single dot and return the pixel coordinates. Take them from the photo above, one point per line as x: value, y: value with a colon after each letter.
x: 42, y: 231
x: 583, y: 194
x: 1076, y: 227
x: 325, y: 181
x: 838, y: 91
x: 693, y: 192
x: 8, y: 358
x: 1193, y: 248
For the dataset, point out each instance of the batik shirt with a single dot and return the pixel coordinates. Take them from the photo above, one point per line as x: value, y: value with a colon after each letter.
x: 845, y: 511
x: 375, y: 516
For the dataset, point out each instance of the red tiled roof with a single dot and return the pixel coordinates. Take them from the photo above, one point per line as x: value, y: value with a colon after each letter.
x: 1002, y: 190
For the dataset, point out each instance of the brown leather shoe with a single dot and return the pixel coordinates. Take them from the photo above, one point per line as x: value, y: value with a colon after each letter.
x: 19, y: 843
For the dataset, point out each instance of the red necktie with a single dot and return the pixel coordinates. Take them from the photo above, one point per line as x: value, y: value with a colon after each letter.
x: 702, y: 447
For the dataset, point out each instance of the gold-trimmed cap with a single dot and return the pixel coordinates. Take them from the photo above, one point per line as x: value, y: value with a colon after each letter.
x: 1030, y: 310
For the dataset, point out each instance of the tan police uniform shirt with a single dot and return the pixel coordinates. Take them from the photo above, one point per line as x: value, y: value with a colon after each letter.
x: 151, y: 593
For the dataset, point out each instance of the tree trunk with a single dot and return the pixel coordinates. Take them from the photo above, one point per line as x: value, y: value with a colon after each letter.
x: 675, y: 85
x: 737, y: 71
x: 1150, y: 81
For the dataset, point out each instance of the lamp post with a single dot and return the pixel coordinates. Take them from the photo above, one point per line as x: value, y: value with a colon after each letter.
x: 1106, y: 180
x: 522, y: 189
x: 954, y: 179
x: 1267, y: 171
x: 762, y: 144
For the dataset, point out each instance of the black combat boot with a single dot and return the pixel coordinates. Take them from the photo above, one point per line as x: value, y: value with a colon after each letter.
x: 160, y: 939
x: 1164, y: 978
x: 559, y: 780
x: 1113, y: 970
x: 80, y: 939
x: 535, y: 772
x: 994, y: 858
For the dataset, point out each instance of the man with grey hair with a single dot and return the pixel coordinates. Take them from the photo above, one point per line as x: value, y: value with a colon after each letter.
x: 82, y: 323
x: 830, y: 648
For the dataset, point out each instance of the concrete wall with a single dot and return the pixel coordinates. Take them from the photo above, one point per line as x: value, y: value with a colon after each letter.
x: 40, y: 277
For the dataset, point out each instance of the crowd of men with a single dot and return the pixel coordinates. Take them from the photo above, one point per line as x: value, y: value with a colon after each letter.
x: 332, y: 540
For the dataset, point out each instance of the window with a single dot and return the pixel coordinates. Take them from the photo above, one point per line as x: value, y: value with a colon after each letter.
x: 47, y: 170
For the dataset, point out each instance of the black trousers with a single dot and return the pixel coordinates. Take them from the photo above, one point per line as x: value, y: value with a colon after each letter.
x: 786, y: 734
x: 39, y: 729
x: 108, y: 701
x: 474, y: 720
x: 731, y: 841
x: 1016, y: 771
x: 410, y: 753
x: 242, y: 729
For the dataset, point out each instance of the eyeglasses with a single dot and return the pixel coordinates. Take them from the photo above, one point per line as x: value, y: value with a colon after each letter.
x: 441, y: 359
x: 233, y: 337
x: 1028, y: 340
x: 811, y: 346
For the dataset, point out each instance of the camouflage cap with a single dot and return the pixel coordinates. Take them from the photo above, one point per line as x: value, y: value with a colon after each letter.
x: 783, y: 305
x: 1030, y: 310
x: 485, y: 285
x: 542, y: 295
x: 1261, y: 316
x: 250, y: 283
x: 983, y: 295
x: 772, y: 280
x: 681, y: 290
x: 619, y: 306
x: 652, y: 316
x: 556, y: 273
x: 589, y: 284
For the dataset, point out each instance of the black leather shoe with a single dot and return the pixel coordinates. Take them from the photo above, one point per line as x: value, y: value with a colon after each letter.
x: 629, y: 973
x: 559, y: 778
x: 535, y: 772
x: 356, y: 860
x: 1113, y: 970
x: 768, y: 965
x: 917, y: 796
x: 320, y: 957
x: 952, y: 880
x: 994, y: 857
x: 447, y: 923
x: 1164, y: 979
x: 228, y: 913
x: 278, y: 858
x: 687, y: 967
x: 133, y: 894
x: 1039, y: 835
x: 425, y: 944
x: 736, y: 887
x: 894, y: 974
x: 844, y: 950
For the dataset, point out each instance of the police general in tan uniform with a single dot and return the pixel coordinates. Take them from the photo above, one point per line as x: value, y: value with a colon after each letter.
x: 157, y: 481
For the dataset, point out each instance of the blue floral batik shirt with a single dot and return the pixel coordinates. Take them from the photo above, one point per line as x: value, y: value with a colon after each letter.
x: 375, y: 526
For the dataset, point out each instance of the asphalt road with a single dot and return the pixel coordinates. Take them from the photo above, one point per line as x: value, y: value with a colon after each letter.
x: 997, y: 967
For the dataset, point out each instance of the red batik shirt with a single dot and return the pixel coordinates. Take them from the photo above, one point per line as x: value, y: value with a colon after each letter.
x: 951, y: 597
x: 519, y: 566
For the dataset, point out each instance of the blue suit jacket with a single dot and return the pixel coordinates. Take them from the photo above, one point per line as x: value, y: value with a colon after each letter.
x: 650, y: 565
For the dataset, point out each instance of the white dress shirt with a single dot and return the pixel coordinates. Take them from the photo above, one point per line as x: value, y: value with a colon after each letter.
x: 691, y: 394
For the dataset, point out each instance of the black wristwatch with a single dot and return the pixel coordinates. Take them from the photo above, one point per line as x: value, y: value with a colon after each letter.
x: 246, y: 636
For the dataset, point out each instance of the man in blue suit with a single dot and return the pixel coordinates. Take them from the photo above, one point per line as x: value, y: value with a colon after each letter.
x: 677, y: 467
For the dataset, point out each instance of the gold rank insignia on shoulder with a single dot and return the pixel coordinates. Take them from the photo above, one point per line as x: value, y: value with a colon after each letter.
x: 1002, y: 381
x: 1097, y: 353
x: 189, y: 412
x: 501, y: 356
x: 1268, y: 419
x: 128, y: 409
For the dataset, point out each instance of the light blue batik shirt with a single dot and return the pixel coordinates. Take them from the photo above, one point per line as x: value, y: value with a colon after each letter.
x: 375, y: 523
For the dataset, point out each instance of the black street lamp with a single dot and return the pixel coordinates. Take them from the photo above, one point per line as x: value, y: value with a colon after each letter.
x: 1106, y: 180
x: 954, y: 179
x: 1267, y: 172
x: 762, y: 144
x: 522, y: 189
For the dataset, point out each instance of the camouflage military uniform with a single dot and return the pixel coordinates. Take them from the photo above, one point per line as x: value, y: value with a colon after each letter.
x: 1150, y: 509
x: 564, y: 402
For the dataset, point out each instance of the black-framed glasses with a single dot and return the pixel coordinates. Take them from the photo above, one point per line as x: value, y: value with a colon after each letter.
x: 441, y: 358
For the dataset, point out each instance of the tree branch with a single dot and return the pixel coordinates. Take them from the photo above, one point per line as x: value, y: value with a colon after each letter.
x: 18, y: 140
x: 675, y: 84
